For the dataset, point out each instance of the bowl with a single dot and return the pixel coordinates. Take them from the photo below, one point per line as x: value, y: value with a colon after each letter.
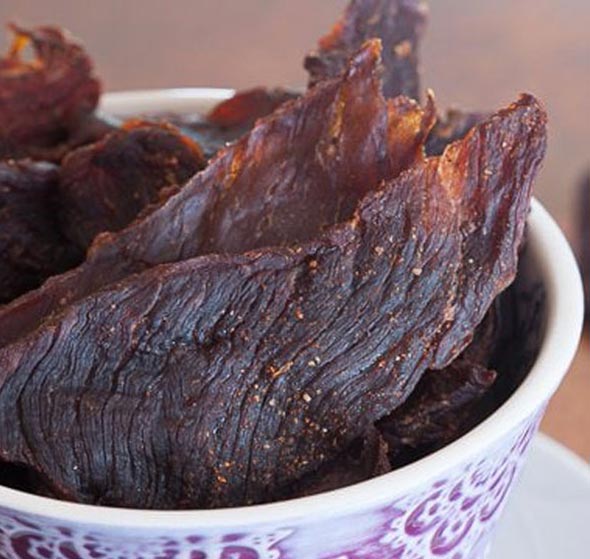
x: 445, y: 505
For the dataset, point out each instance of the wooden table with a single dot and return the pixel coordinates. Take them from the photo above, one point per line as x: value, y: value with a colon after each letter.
x: 477, y: 54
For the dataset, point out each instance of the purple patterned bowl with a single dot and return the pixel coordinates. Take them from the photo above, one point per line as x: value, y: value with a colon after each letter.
x: 443, y: 506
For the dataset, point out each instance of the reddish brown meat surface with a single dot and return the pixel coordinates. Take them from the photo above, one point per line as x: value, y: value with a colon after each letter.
x: 32, y: 247
x: 48, y: 99
x: 297, y: 172
x: 236, y: 374
x: 399, y: 24
x: 105, y: 185
x: 230, y: 119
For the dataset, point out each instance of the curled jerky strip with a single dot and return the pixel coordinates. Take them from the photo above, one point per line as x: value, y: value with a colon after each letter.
x: 230, y: 119
x: 444, y: 405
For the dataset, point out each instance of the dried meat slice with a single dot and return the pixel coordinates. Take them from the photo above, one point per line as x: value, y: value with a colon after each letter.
x: 89, y: 129
x: 246, y: 107
x: 308, y: 164
x: 521, y: 318
x: 367, y: 457
x: 451, y: 127
x: 444, y: 405
x: 32, y: 247
x: 105, y: 185
x: 399, y: 24
x: 230, y: 119
x: 233, y: 376
x: 44, y: 99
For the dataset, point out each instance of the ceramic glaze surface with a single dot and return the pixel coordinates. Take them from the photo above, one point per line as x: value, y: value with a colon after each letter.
x: 450, y: 518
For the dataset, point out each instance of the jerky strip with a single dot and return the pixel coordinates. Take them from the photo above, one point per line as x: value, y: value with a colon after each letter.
x: 443, y: 407
x: 105, y: 185
x: 230, y: 119
x: 451, y: 128
x: 399, y: 24
x: 32, y: 247
x: 44, y: 100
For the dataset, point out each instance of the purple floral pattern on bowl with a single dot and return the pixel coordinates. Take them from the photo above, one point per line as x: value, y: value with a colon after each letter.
x: 450, y: 518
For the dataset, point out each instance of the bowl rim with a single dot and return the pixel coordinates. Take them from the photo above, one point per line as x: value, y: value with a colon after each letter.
x: 563, y: 330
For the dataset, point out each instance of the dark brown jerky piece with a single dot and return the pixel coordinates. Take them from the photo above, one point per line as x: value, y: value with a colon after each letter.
x: 43, y: 100
x: 521, y: 318
x: 486, y: 337
x: 246, y: 107
x: 448, y: 403
x: 230, y: 119
x: 234, y: 376
x: 398, y: 23
x: 443, y: 407
x: 584, y: 237
x: 450, y: 128
x: 89, y: 129
x: 367, y: 457
x: 105, y: 185
x: 31, y: 245
x: 304, y: 167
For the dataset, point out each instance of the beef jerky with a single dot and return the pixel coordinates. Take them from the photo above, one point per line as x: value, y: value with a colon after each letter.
x: 105, y: 185
x: 398, y: 23
x: 584, y: 238
x: 235, y: 375
x: 450, y: 128
x: 367, y: 457
x: 89, y: 129
x: 443, y: 407
x: 521, y: 318
x: 44, y: 99
x: 486, y: 337
x: 307, y: 165
x: 245, y: 107
x: 32, y: 247
x: 447, y: 404
x: 230, y: 119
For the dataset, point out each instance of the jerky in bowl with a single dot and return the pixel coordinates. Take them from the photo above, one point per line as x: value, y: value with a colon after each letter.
x: 442, y: 505
x: 294, y: 324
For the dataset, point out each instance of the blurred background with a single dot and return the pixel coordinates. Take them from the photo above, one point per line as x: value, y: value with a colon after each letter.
x: 476, y: 55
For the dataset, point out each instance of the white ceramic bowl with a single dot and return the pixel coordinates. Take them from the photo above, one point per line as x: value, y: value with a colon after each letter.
x: 444, y: 505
